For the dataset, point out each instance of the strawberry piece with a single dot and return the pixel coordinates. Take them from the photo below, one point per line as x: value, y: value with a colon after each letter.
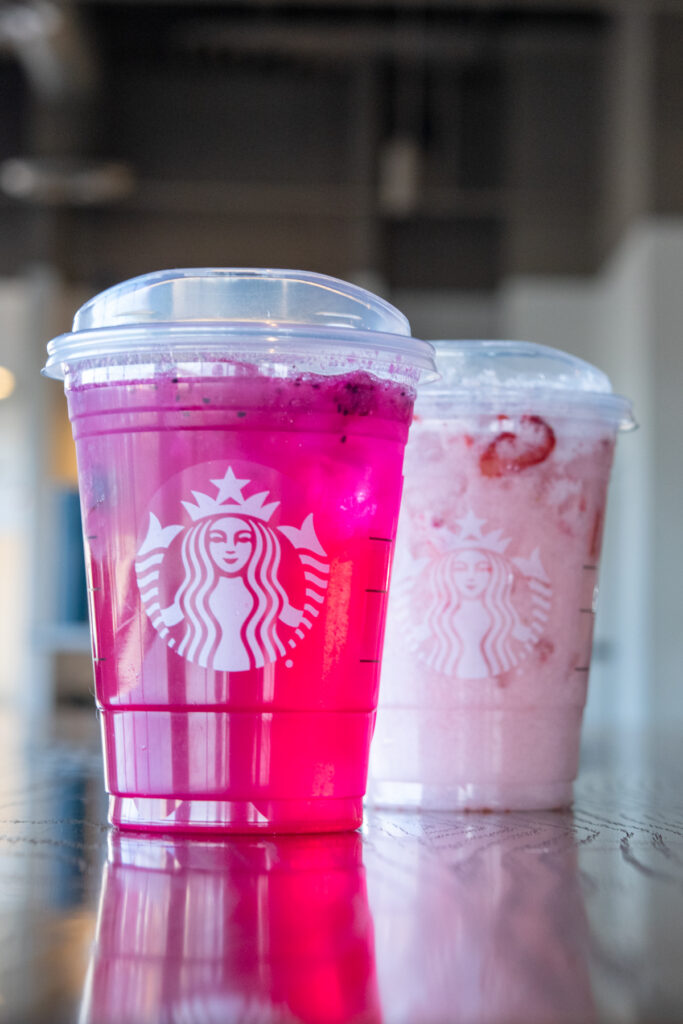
x: 512, y: 452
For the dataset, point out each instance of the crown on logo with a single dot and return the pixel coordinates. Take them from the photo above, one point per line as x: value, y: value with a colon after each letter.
x: 230, y: 500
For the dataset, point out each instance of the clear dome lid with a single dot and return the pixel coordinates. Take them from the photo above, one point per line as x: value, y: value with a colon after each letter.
x: 519, y: 373
x: 221, y: 310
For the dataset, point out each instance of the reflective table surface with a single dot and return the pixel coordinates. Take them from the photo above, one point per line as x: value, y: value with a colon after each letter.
x: 537, y: 917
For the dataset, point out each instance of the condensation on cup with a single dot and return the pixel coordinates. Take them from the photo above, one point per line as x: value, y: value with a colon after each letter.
x: 240, y: 438
x: 490, y: 622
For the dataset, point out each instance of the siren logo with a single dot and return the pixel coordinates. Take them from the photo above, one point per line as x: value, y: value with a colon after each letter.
x: 480, y: 610
x: 228, y: 587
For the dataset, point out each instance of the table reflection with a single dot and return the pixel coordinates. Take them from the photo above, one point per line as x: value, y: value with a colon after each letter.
x: 247, y: 929
x: 491, y: 928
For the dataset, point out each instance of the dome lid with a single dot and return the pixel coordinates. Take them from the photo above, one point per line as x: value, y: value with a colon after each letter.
x: 519, y: 373
x: 224, y: 310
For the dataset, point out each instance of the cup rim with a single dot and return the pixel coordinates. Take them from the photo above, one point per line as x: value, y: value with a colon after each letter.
x: 167, y: 342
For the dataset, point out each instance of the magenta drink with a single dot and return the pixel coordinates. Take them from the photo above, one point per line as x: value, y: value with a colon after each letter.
x: 490, y: 621
x: 240, y: 439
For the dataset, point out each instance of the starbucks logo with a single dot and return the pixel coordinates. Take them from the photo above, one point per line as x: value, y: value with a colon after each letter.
x: 470, y: 609
x: 226, y: 585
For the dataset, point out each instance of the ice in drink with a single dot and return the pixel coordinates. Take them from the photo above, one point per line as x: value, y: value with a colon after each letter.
x: 494, y: 591
x: 239, y: 484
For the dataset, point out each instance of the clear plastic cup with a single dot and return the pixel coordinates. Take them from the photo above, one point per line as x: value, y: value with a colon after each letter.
x: 490, y: 621
x: 240, y: 438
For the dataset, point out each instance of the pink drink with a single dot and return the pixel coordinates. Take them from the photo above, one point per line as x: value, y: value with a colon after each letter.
x: 247, y: 930
x: 239, y: 521
x: 493, y: 601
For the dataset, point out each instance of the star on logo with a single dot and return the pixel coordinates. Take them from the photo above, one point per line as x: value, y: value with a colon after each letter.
x: 470, y: 525
x: 229, y: 487
x: 472, y: 536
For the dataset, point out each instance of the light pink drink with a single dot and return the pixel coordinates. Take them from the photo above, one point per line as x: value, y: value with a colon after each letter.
x: 239, y: 521
x: 493, y: 601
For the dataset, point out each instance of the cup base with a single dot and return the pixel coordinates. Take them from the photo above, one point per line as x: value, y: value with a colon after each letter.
x: 475, y: 758
x: 162, y: 814
x: 493, y: 796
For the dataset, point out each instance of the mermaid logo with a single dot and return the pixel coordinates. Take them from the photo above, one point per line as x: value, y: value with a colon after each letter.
x: 483, y: 611
x: 219, y: 588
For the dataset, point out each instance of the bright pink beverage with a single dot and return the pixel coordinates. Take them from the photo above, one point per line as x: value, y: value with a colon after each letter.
x: 239, y: 521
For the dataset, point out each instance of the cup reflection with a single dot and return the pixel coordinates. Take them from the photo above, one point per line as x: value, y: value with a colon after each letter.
x: 491, y: 928
x: 244, y: 929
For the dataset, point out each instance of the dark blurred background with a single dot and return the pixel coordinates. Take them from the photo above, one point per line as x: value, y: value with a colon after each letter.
x: 429, y: 145
x: 494, y: 169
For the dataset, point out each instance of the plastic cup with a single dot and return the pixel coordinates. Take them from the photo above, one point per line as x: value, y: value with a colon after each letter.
x: 490, y: 621
x: 247, y: 929
x: 240, y: 438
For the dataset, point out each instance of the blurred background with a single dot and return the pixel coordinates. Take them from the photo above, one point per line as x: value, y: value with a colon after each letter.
x: 508, y: 169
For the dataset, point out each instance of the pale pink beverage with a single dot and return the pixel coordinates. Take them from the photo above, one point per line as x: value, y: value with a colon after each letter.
x: 490, y: 622
x: 239, y: 486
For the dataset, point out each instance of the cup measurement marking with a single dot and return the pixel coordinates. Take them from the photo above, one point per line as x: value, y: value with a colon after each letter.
x: 586, y: 611
x: 373, y: 616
